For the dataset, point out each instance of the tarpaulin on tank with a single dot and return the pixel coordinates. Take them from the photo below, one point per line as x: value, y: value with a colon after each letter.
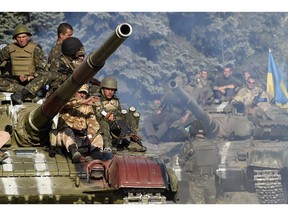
x: 134, y: 171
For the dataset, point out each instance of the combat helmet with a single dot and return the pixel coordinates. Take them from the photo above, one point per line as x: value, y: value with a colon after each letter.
x: 20, y: 29
x: 109, y: 82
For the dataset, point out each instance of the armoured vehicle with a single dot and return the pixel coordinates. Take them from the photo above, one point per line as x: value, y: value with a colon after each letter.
x: 251, y: 152
x: 33, y: 173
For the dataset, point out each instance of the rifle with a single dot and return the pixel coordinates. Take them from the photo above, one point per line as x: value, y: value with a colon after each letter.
x: 121, y: 130
x: 256, y: 99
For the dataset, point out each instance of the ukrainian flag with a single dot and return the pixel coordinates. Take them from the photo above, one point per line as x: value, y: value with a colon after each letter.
x: 275, y: 85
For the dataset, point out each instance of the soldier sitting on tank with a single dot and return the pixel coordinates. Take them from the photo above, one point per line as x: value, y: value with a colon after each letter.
x: 73, y: 53
x: 169, y: 115
x: 108, y: 110
x: 202, y: 88
x: 252, y: 100
x: 77, y: 125
x: 64, y: 30
x: 26, y: 61
x: 225, y: 85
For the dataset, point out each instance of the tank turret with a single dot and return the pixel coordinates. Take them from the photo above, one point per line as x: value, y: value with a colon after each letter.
x: 214, y: 124
x: 34, y: 122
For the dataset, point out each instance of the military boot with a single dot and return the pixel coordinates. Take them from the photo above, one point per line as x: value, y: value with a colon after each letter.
x: 96, y: 154
x: 135, y: 147
x: 3, y: 156
x: 18, y: 97
x: 75, y: 154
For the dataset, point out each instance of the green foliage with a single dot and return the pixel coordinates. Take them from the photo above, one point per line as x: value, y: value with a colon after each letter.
x: 165, y: 43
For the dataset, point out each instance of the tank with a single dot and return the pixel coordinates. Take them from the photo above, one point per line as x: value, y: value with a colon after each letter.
x: 245, y: 154
x: 35, y: 173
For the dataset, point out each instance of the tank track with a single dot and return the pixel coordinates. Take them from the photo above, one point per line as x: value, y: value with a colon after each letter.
x: 269, y: 187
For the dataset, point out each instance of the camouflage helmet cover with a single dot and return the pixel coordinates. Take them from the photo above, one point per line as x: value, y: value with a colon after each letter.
x: 109, y: 82
x: 84, y: 88
x: 21, y: 29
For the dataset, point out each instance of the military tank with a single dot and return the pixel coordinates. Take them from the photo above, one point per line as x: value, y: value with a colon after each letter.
x: 32, y: 174
x: 252, y: 152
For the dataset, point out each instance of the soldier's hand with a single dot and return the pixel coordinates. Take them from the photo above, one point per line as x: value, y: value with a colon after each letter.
x: 23, y: 78
x: 29, y: 78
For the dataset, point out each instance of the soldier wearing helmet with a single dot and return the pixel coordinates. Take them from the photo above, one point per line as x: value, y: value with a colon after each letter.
x: 109, y: 103
x: 77, y: 123
x: 108, y: 109
x: 26, y: 59
x: 61, y: 68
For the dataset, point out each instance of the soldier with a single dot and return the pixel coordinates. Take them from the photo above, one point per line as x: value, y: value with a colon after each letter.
x: 196, y: 163
x: 26, y: 59
x: 108, y: 109
x: 64, y: 31
x: 224, y: 86
x: 73, y: 53
x: 252, y: 100
x: 169, y: 115
x: 77, y: 119
x: 202, y: 89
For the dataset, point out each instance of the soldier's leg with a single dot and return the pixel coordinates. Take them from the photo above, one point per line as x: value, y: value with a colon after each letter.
x: 34, y: 86
x: 10, y: 85
x: 97, y: 147
x: 105, y: 131
x: 38, y: 82
x: 69, y: 141
x: 229, y: 94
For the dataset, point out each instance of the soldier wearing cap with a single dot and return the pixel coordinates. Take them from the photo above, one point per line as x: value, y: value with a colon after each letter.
x: 25, y: 58
x: 73, y: 53
x: 77, y: 119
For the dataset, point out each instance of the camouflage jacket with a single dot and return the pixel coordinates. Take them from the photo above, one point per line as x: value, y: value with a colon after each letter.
x: 40, y: 59
x: 64, y: 65
x: 246, y: 96
x: 55, y: 52
x: 79, y: 117
x: 112, y: 106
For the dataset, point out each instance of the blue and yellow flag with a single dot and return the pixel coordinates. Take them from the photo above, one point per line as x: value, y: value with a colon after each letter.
x: 275, y: 85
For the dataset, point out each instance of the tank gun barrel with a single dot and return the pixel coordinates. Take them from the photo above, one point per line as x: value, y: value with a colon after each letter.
x: 81, y: 75
x: 210, y: 125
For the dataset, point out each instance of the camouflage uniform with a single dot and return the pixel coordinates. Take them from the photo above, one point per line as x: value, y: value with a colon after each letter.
x: 247, y: 97
x: 60, y: 69
x: 110, y: 106
x: 202, y: 90
x: 78, y: 119
x: 55, y: 52
x: 167, y: 117
x: 12, y: 83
